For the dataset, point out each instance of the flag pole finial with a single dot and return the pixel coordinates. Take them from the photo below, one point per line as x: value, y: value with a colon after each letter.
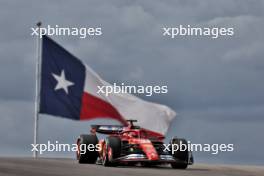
x: 39, y: 24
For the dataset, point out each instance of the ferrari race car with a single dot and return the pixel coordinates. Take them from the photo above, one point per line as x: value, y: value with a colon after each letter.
x: 130, y: 145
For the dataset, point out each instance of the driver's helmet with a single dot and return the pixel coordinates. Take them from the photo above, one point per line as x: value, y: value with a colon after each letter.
x: 133, y: 134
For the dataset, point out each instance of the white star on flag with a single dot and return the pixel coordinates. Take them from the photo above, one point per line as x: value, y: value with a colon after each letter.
x: 62, y: 82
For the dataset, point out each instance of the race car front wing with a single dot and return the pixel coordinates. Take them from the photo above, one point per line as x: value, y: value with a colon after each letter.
x: 164, y: 158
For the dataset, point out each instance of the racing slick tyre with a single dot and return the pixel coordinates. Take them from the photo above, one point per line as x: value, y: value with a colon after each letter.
x: 86, y: 156
x: 181, y: 156
x: 112, y: 150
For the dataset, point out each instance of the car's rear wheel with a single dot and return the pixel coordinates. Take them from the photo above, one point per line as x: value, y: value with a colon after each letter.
x: 84, y: 155
x: 181, y: 156
x: 112, y: 150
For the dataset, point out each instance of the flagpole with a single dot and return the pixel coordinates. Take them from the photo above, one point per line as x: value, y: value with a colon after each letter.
x: 37, y: 91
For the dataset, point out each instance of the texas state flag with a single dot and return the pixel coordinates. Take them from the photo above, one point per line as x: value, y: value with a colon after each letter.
x: 69, y: 89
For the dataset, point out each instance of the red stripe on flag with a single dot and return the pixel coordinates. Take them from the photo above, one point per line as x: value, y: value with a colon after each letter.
x: 93, y: 107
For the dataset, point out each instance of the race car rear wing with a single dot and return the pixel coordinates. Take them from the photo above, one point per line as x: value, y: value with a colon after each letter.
x: 107, y: 129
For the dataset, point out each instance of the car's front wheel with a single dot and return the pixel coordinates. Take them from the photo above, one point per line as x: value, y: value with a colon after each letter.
x: 112, y: 149
x: 83, y: 155
x: 181, y: 156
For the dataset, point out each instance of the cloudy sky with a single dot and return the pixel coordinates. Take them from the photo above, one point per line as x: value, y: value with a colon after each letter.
x: 215, y: 85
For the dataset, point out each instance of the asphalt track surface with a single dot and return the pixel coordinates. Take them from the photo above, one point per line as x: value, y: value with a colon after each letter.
x: 65, y: 167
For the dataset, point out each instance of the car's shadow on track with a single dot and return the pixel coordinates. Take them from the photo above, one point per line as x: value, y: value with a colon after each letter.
x: 161, y: 168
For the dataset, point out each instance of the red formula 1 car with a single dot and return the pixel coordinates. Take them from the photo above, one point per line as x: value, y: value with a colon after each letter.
x: 130, y: 145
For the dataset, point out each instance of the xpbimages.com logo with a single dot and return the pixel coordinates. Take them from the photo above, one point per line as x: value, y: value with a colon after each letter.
x: 62, y: 147
x: 81, y: 32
